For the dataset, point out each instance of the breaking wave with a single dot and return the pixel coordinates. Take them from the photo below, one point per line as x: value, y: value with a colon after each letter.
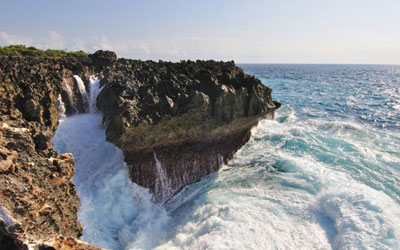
x: 325, y: 174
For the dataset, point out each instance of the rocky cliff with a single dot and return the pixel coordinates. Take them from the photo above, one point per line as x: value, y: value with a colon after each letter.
x: 38, y: 200
x: 178, y: 122
x: 175, y: 122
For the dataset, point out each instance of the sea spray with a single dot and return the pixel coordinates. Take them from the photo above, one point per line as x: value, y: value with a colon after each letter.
x: 280, y: 192
x: 163, y: 183
x: 115, y: 213
x: 94, y: 92
x: 324, y: 175
x: 70, y: 96
x: 60, y: 107
x: 82, y: 90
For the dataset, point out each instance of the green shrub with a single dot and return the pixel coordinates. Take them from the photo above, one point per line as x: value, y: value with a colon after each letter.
x: 22, y: 50
x: 192, y: 126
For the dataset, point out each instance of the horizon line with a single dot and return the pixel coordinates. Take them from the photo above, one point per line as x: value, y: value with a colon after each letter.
x: 297, y: 63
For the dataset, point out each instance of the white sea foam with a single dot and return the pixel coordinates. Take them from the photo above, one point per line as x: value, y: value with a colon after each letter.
x: 82, y: 90
x: 299, y: 183
x: 115, y: 213
x: 60, y: 107
x: 280, y: 192
x: 94, y: 92
x: 70, y: 96
x: 277, y: 193
x: 163, y: 182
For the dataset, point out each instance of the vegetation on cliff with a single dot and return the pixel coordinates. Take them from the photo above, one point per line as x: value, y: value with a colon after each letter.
x: 194, y: 126
x: 22, y: 50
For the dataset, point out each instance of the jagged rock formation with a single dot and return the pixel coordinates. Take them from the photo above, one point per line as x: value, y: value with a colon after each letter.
x: 178, y: 122
x: 175, y: 122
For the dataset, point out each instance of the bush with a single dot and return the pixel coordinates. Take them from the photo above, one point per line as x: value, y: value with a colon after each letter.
x: 21, y: 50
x: 194, y: 125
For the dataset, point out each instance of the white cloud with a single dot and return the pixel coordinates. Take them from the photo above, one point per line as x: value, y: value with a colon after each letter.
x: 260, y: 50
x: 100, y: 42
x: 56, y: 41
x: 78, y: 44
x: 165, y: 49
x: 180, y: 48
x: 7, y: 39
x: 53, y: 40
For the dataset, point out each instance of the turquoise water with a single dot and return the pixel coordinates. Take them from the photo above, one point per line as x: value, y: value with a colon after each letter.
x: 325, y: 174
x: 368, y: 94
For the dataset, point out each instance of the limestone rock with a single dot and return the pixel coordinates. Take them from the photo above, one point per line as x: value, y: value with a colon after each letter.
x: 36, y: 190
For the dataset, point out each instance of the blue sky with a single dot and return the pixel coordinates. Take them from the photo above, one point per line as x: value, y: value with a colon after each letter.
x: 269, y: 31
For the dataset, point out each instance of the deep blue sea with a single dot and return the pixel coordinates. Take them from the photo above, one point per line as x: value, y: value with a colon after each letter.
x: 325, y: 174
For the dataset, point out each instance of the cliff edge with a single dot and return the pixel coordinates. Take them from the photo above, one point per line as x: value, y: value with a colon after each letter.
x: 38, y: 200
x: 175, y: 122
x: 178, y: 122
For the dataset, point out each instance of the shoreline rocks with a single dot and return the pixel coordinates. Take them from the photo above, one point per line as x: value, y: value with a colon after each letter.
x: 175, y: 122
x: 37, y: 193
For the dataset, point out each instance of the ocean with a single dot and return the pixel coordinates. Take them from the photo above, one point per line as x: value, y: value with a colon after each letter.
x: 324, y: 174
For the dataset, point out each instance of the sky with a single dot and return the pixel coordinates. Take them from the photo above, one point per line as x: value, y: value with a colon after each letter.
x: 251, y: 31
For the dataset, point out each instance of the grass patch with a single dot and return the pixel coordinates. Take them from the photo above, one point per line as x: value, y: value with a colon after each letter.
x: 22, y: 50
x: 191, y: 126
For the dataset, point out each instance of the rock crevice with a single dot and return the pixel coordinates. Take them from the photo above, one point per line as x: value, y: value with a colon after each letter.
x: 36, y: 188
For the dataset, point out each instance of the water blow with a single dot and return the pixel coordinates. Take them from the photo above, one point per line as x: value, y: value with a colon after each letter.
x: 115, y: 213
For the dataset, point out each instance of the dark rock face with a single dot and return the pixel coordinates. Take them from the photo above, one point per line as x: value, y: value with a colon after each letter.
x: 182, y: 163
x: 158, y: 90
x: 102, y: 59
x: 178, y: 122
